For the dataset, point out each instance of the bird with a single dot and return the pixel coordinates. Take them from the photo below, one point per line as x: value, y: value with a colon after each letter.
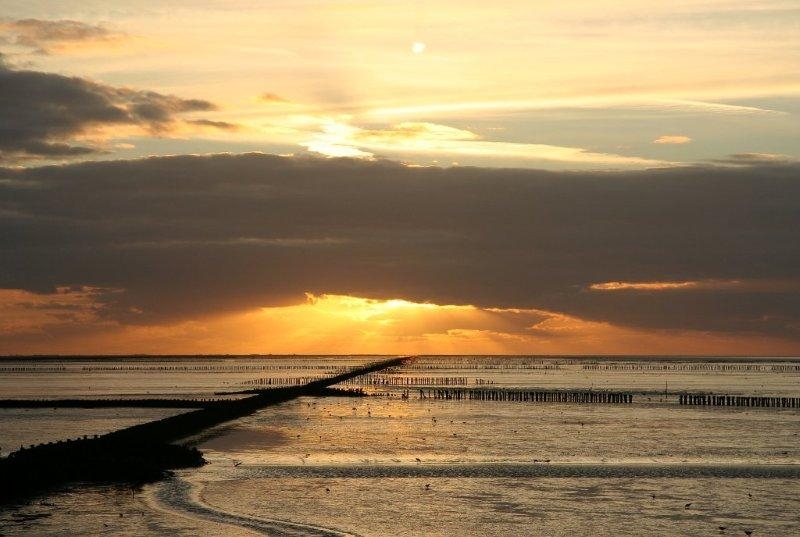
x: 721, y: 528
x: 427, y: 486
x: 687, y: 506
x: 748, y: 532
x: 327, y: 489
x: 418, y: 459
x: 653, y: 496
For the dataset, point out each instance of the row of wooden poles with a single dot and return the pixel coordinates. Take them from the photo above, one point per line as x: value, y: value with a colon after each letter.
x: 471, y: 394
x: 763, y: 368
x: 282, y: 381
x: 212, y: 368
x: 364, y: 380
x: 33, y: 369
x: 739, y: 400
x: 57, y: 443
x: 385, y: 380
x: 110, y: 403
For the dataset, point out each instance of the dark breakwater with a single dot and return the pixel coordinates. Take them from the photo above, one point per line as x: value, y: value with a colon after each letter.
x: 143, y: 452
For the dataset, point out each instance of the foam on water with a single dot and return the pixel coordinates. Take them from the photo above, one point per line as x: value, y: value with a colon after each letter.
x: 183, y: 497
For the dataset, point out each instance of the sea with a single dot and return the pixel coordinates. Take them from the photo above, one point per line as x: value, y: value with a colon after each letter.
x: 410, y: 457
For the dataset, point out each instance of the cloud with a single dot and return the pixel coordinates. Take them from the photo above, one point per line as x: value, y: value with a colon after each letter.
x: 672, y: 140
x: 30, y: 313
x: 223, y: 125
x: 48, y: 36
x: 272, y: 98
x: 43, y: 113
x: 595, y: 101
x: 344, y: 140
x: 409, y: 131
x: 735, y: 286
x: 337, y: 324
x: 188, y: 237
x: 643, y: 286
x: 757, y: 159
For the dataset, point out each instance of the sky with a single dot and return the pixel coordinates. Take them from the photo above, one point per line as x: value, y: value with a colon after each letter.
x: 513, y: 177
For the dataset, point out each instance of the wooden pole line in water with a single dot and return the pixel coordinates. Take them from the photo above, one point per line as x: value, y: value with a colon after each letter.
x: 710, y: 399
x: 527, y: 396
x: 143, y: 452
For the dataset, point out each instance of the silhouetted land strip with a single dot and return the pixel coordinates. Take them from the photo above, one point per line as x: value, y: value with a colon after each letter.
x: 143, y: 452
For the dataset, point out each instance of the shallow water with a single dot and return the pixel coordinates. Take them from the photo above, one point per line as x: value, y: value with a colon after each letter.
x: 393, y: 466
x: 26, y: 426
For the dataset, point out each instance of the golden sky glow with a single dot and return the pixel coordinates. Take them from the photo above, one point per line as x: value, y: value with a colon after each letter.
x: 616, y: 75
x: 337, y: 324
x: 605, y: 176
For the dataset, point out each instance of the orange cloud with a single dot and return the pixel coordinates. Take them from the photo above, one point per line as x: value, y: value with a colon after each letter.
x: 760, y: 286
x: 272, y: 98
x: 642, y: 286
x: 59, y: 36
x: 672, y: 140
x: 69, y: 321
x: 341, y: 139
x: 26, y: 312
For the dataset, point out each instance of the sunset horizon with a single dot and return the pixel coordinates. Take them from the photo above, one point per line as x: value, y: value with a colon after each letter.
x: 380, y: 268
x: 588, y: 178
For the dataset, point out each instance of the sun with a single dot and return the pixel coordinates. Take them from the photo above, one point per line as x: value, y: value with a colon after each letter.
x: 418, y: 47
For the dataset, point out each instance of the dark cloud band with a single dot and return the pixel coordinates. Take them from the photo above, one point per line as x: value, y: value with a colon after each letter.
x: 189, y: 236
